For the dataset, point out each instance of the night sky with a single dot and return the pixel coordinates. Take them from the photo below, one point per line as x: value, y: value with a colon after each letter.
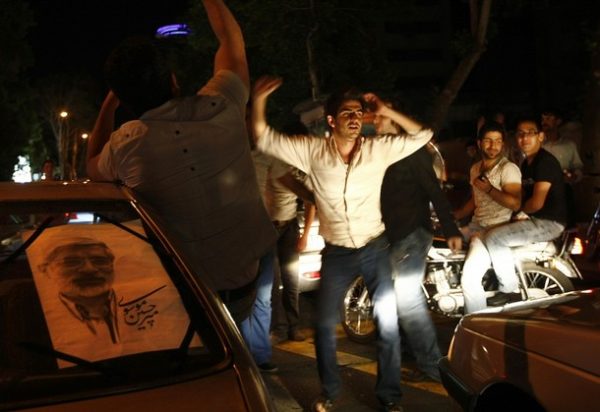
x: 76, y: 36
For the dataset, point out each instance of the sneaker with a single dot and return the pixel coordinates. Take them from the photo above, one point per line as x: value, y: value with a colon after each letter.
x: 322, y: 404
x: 268, y: 367
x: 501, y: 298
x: 417, y: 375
x: 297, y: 336
x: 392, y: 407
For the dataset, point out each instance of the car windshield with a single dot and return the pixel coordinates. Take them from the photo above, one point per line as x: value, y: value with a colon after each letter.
x: 91, y: 301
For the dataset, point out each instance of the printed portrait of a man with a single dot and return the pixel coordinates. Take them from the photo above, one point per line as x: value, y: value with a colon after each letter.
x: 83, y: 270
x: 104, y: 292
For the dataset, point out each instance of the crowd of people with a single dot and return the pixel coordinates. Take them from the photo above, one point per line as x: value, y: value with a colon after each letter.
x: 232, y: 205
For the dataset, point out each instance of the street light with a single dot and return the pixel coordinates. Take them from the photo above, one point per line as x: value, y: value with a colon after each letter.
x: 84, y: 136
x: 63, y: 146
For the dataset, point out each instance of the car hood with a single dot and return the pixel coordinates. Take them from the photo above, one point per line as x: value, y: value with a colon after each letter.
x: 564, y: 328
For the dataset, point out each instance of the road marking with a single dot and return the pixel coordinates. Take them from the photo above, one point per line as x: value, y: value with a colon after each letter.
x: 359, y: 363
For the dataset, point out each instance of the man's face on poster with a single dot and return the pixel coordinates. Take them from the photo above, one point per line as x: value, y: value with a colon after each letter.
x: 81, y: 270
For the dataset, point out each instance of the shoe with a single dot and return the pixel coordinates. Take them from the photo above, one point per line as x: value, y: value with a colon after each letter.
x: 501, y: 298
x: 277, y: 338
x: 322, y: 404
x: 392, y: 407
x: 417, y: 375
x: 296, y: 335
x: 268, y: 367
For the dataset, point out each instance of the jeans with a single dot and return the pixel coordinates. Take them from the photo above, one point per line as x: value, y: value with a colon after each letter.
x: 500, y: 239
x: 339, y: 268
x: 476, y: 265
x: 286, y: 310
x: 492, y: 249
x: 255, y: 328
x: 408, y: 260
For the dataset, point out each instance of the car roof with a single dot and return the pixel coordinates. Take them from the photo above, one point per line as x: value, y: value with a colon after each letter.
x: 60, y: 190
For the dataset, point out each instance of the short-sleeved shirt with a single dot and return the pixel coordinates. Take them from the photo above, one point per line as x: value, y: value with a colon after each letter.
x: 347, y: 195
x: 565, y: 152
x: 488, y: 212
x: 190, y: 160
x: 545, y: 168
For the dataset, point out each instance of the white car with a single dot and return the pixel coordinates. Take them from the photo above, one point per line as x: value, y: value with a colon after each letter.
x: 309, y: 264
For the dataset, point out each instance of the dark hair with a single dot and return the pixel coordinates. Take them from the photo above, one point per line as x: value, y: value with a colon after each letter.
x: 490, y: 126
x: 336, y: 99
x: 138, y: 72
x: 553, y: 111
x: 529, y: 118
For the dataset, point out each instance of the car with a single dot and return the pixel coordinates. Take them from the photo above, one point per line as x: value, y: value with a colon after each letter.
x: 309, y: 260
x: 541, y: 355
x: 99, y: 311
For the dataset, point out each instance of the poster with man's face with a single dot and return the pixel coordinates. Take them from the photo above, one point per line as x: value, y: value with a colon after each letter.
x: 104, y: 292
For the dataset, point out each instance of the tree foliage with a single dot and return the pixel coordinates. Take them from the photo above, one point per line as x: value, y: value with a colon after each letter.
x: 16, y: 113
x: 316, y: 46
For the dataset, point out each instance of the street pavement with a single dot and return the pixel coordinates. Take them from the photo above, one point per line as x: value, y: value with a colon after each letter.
x: 296, y: 384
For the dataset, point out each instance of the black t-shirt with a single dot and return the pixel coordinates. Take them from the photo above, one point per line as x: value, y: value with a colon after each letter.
x: 545, y: 168
x: 408, y: 187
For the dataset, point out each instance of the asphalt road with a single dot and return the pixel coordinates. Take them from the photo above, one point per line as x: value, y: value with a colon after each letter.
x: 296, y: 384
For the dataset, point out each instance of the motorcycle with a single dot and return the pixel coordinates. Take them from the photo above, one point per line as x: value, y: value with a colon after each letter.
x: 543, y: 269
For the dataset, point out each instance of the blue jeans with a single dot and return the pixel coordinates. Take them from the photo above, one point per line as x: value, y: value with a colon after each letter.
x: 339, y: 267
x: 408, y: 260
x: 255, y: 328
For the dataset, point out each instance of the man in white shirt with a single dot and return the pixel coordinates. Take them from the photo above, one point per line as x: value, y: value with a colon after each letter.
x: 189, y: 158
x: 496, y: 184
x: 345, y: 172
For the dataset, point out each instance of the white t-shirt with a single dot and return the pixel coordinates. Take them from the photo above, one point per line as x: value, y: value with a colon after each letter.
x: 488, y: 212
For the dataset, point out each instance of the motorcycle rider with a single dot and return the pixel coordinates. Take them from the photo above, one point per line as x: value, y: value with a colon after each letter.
x: 408, y: 187
x: 496, y: 194
x: 544, y: 204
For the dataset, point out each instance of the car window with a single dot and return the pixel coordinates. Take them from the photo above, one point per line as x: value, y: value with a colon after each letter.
x: 90, y: 300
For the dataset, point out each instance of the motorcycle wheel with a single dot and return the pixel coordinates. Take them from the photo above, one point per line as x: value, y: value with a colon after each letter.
x: 545, y: 281
x: 356, y: 313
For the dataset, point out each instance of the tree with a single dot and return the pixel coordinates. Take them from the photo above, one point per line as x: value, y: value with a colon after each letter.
x: 17, y: 116
x: 314, y: 45
x: 479, y: 20
x: 73, y: 95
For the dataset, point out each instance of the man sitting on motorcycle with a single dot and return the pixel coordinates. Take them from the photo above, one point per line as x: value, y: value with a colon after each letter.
x: 544, y: 210
x: 496, y: 194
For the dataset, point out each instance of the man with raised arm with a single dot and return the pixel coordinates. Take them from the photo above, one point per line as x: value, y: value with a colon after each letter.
x: 345, y: 172
x: 189, y: 157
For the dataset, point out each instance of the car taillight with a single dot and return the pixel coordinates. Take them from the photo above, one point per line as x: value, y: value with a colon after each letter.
x: 312, y: 275
x: 577, y: 246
